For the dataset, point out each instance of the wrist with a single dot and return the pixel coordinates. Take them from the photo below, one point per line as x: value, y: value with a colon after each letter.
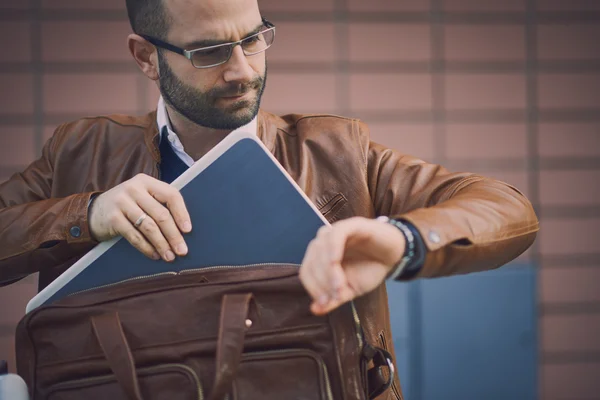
x: 409, y: 247
x: 411, y: 261
x: 394, y: 242
x: 90, y: 206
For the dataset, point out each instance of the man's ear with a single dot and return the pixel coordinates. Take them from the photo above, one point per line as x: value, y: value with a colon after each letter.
x: 144, y: 54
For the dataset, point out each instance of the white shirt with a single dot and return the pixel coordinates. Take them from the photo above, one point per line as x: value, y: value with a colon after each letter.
x: 162, y: 119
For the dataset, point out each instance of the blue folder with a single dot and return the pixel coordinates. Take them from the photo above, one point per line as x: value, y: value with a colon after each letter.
x: 245, y: 209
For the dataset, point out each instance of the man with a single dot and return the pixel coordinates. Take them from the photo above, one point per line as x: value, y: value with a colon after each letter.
x: 108, y: 176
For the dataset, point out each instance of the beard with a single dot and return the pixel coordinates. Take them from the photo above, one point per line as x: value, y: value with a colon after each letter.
x: 201, y: 108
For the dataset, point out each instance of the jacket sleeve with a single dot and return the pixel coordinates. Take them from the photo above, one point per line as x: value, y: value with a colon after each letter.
x: 468, y: 222
x: 38, y: 231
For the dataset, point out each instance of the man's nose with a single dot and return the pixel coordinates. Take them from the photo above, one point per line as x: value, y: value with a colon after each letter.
x: 238, y: 69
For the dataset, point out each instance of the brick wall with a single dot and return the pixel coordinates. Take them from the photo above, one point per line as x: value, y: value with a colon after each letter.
x: 506, y: 88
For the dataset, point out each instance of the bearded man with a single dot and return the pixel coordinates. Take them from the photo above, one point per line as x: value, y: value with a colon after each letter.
x: 107, y: 176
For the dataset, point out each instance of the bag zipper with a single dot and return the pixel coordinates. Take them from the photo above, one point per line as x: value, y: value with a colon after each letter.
x: 173, y: 273
x: 137, y: 278
x: 357, y: 323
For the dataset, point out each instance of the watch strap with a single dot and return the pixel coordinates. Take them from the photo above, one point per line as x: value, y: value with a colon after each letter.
x: 413, y: 258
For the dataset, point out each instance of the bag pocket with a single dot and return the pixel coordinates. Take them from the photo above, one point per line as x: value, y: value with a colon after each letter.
x: 168, y: 381
x: 282, y: 374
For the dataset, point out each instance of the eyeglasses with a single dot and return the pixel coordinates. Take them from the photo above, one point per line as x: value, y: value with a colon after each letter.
x: 211, y: 56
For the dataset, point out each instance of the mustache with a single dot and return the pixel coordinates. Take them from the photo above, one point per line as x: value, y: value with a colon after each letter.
x: 237, y: 89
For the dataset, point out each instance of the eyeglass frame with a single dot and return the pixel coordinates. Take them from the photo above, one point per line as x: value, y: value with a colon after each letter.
x: 190, y: 53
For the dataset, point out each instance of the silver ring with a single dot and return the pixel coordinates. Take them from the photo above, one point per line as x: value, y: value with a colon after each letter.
x: 141, y: 219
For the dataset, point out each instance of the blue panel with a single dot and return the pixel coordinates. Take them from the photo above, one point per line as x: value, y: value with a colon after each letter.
x: 478, y: 336
x: 273, y: 223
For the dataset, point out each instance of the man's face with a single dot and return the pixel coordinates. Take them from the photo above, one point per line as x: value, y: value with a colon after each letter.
x: 226, y: 96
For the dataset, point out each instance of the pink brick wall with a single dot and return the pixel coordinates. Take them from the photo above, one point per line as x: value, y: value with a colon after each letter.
x: 506, y: 88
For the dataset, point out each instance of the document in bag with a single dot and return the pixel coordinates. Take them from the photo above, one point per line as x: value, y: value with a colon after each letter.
x: 245, y: 209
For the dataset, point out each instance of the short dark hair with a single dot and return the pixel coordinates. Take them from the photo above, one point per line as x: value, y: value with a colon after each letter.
x: 148, y: 17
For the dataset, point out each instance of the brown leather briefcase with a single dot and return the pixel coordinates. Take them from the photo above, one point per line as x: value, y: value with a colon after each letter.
x: 215, y: 333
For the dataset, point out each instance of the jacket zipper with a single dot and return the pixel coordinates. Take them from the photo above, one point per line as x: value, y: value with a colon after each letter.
x: 357, y: 326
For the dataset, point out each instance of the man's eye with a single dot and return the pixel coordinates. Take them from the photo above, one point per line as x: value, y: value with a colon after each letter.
x: 252, y: 39
x: 210, y: 52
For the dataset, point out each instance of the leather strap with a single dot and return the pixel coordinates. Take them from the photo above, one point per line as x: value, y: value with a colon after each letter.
x: 376, y: 379
x: 109, y: 332
x: 232, y: 332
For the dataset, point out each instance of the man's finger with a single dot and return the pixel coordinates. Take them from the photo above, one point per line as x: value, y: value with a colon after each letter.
x: 168, y: 195
x: 133, y: 236
x: 149, y: 229
x: 163, y: 218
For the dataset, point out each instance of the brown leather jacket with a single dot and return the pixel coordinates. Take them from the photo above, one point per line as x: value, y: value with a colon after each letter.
x: 468, y: 222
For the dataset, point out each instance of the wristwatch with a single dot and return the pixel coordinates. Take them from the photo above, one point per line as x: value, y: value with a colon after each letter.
x: 414, y: 253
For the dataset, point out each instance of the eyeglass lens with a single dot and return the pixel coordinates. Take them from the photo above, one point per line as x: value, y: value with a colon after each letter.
x: 219, y: 54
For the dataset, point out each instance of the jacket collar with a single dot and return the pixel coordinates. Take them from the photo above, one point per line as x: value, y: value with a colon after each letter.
x: 265, y: 130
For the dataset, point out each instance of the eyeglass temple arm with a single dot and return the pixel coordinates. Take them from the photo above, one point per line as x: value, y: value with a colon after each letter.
x: 267, y: 23
x: 179, y: 50
x: 164, y: 45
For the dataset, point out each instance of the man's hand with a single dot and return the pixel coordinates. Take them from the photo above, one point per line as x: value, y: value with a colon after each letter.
x: 348, y: 259
x: 159, y: 234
